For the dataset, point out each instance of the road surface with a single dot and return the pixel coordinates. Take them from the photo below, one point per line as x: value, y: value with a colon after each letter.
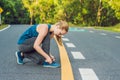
x: 93, y: 54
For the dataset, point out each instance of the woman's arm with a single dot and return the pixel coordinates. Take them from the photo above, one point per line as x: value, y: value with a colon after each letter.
x: 42, y: 33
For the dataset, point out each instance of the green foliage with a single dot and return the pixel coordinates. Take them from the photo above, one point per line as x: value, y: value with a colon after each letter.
x: 115, y: 4
x: 40, y: 10
x: 82, y: 12
x: 14, y: 12
x: 108, y: 16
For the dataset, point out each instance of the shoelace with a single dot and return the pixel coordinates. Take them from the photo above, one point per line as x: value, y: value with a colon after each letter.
x: 53, y: 62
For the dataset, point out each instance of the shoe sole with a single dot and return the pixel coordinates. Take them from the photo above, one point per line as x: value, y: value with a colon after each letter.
x: 17, y: 58
x: 50, y: 67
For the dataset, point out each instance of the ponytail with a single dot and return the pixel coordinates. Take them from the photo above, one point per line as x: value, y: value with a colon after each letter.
x: 59, y: 40
x: 64, y: 26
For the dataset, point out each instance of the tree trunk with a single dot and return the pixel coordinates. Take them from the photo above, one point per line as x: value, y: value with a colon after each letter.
x: 99, y: 14
x: 31, y: 17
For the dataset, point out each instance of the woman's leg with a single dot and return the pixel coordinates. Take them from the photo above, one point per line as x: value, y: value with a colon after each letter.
x: 34, y: 57
x: 29, y: 51
x: 27, y: 46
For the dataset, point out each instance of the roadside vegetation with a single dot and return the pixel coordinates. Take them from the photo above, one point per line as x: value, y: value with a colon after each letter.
x: 103, y: 13
x: 3, y: 26
x: 115, y: 28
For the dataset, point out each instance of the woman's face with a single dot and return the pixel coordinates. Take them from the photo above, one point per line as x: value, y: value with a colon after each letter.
x: 59, y: 32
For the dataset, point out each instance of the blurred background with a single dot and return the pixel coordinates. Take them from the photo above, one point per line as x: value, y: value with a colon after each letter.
x: 88, y: 13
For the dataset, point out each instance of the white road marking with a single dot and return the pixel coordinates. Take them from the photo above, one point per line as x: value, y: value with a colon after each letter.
x: 5, y: 28
x: 65, y: 39
x: 77, y: 55
x: 82, y: 30
x: 70, y: 45
x: 91, y: 31
x: 88, y: 74
x: 117, y: 37
x: 103, y: 34
x: 75, y: 28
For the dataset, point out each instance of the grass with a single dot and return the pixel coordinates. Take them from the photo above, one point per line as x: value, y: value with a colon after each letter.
x: 3, y: 26
x: 115, y: 28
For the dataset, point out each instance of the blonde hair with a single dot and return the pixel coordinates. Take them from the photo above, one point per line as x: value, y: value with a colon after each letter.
x: 64, y: 26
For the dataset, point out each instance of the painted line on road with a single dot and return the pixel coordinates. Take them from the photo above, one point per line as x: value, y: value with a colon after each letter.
x: 77, y: 55
x: 66, y: 69
x: 91, y: 31
x: 76, y: 29
x: 88, y: 74
x: 65, y: 39
x: 5, y: 28
x: 70, y: 45
x: 103, y: 34
x: 118, y: 37
x: 82, y: 30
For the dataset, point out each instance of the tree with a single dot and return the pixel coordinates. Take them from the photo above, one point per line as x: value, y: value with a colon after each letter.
x: 115, y: 5
x: 84, y: 12
x: 14, y: 12
x: 100, y: 7
x: 29, y: 4
x: 108, y: 14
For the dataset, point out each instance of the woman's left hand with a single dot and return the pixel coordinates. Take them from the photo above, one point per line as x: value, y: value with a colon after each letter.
x: 52, y: 57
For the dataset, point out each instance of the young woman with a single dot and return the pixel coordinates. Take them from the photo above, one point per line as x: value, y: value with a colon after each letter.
x: 34, y: 43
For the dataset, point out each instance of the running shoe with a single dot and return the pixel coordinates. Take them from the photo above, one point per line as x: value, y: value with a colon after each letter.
x: 52, y: 65
x: 19, y: 57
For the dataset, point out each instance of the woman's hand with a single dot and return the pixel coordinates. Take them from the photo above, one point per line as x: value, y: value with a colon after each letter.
x: 52, y: 57
x: 49, y: 60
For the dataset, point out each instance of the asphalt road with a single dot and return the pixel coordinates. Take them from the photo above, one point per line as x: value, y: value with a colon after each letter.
x: 100, y: 49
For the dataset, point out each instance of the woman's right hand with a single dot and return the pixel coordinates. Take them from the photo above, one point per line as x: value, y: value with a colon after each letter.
x: 49, y: 60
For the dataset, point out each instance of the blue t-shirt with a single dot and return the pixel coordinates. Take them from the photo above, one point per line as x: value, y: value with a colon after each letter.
x: 29, y: 33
